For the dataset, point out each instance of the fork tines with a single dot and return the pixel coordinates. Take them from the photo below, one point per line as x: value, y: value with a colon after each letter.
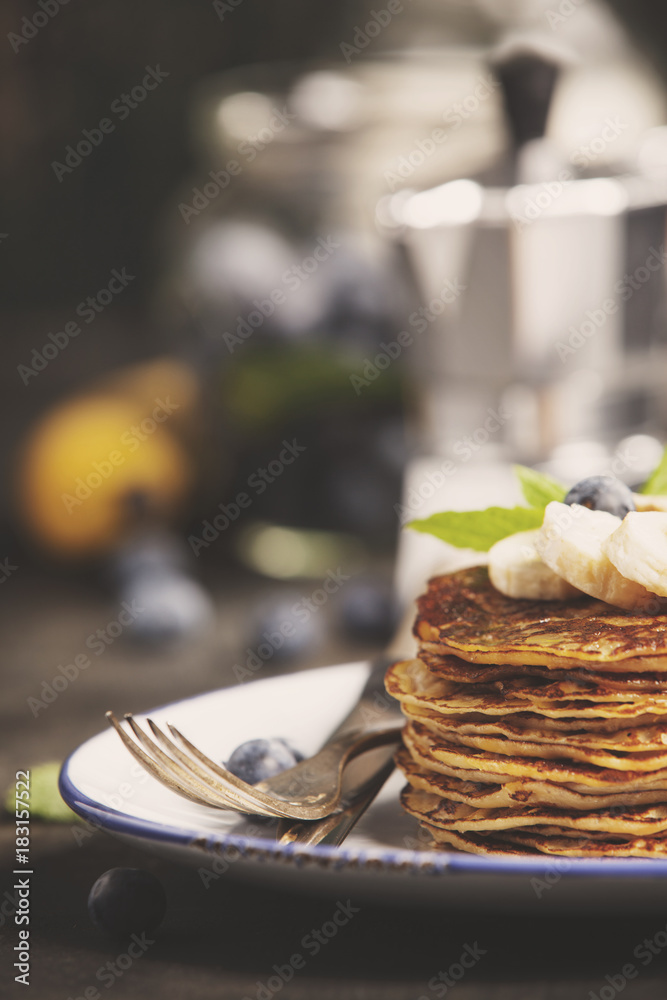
x: 184, y: 769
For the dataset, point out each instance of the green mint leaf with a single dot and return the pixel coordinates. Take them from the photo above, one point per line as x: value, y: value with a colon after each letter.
x: 479, y: 529
x: 657, y: 481
x: 538, y: 488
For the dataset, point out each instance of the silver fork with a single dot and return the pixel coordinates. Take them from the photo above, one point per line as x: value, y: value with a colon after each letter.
x: 309, y: 791
x: 333, y: 829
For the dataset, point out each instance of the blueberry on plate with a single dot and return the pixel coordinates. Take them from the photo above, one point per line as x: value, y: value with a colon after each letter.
x: 127, y: 901
x: 602, y: 493
x: 258, y: 760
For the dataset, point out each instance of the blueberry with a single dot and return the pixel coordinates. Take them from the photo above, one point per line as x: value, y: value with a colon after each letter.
x: 172, y: 606
x: 368, y: 611
x: 602, y: 493
x: 277, y: 636
x: 127, y: 901
x: 258, y: 760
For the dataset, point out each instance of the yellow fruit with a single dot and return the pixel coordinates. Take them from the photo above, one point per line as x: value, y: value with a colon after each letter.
x: 572, y: 541
x: 85, y: 461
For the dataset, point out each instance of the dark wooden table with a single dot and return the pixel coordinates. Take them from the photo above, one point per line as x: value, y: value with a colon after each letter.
x: 224, y: 940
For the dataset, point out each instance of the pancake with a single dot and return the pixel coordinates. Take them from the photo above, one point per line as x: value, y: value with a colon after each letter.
x: 587, y: 845
x: 532, y: 741
x: 453, y: 668
x: 516, y: 792
x: 523, y: 842
x: 475, y: 843
x: 538, y: 840
x: 463, y: 614
x: 440, y: 750
x: 435, y: 767
x: 410, y: 682
x: 534, y: 727
x: 552, y: 832
x: 627, y: 821
x: 521, y: 721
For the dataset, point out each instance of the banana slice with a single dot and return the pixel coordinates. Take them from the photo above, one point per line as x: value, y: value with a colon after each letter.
x: 650, y: 501
x: 516, y: 570
x: 638, y: 549
x: 571, y: 542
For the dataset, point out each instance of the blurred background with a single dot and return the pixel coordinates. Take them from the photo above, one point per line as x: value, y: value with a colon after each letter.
x: 271, y: 276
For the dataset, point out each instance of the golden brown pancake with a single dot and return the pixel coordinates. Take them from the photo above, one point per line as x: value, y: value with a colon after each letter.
x: 514, y: 793
x: 463, y: 614
x: 431, y: 765
x: 627, y: 822
x: 539, y: 742
x: 440, y: 750
x: 588, y: 844
x: 534, y: 726
x: 452, y: 668
x: 411, y: 683
x: 522, y: 842
x: 476, y: 843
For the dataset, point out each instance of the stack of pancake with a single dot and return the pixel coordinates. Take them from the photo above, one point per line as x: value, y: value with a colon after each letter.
x: 534, y: 726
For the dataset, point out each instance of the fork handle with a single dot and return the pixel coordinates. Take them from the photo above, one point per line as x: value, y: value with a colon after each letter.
x: 351, y: 743
x: 334, y: 829
x: 375, y: 708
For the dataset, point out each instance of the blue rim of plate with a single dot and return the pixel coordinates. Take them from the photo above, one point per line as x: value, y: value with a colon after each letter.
x: 324, y: 856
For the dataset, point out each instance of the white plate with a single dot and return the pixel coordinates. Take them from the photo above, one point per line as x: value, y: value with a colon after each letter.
x: 381, y: 858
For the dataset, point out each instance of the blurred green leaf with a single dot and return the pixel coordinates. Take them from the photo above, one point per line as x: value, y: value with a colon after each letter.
x: 45, y: 801
x: 657, y: 481
x: 270, y: 384
x: 538, y: 488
